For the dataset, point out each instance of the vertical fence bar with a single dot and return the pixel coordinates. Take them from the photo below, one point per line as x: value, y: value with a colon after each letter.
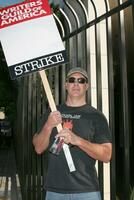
x: 124, y: 108
x: 111, y: 108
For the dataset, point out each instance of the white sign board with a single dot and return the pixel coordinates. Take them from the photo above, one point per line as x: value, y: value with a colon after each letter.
x: 30, y: 38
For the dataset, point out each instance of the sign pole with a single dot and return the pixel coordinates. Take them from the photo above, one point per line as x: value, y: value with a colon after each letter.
x: 59, y: 127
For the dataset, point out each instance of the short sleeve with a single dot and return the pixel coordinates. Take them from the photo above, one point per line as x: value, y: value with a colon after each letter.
x: 102, y: 130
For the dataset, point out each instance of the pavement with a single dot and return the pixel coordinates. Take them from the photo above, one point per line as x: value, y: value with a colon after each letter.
x: 9, y: 181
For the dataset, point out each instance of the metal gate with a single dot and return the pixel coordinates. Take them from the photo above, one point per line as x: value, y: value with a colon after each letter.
x: 96, y: 35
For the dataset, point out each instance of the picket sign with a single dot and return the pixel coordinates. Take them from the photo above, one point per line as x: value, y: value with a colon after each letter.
x: 59, y: 127
x: 30, y: 27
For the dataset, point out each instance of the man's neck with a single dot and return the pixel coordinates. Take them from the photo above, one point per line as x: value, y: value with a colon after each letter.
x: 75, y: 102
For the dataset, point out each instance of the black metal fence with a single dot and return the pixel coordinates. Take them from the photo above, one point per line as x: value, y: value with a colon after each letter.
x: 98, y: 37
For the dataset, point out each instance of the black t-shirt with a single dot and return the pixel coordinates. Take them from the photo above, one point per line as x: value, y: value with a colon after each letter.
x: 90, y: 124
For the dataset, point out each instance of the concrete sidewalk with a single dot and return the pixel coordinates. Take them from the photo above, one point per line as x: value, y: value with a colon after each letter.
x: 9, y: 182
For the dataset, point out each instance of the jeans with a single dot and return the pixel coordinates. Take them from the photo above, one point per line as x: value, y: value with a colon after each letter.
x: 75, y: 196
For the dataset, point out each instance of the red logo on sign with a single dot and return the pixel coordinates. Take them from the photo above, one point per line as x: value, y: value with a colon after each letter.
x: 23, y: 12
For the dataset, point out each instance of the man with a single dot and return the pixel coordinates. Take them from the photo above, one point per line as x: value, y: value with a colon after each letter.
x: 86, y: 131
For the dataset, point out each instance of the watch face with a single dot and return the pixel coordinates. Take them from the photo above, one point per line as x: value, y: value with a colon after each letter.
x: 9, y: 2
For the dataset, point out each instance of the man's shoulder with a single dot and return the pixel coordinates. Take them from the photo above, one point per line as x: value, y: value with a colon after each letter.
x: 92, y: 109
x: 95, y: 112
x: 60, y: 106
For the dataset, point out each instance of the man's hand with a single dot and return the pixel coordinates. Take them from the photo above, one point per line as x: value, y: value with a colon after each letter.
x: 54, y: 119
x: 68, y: 136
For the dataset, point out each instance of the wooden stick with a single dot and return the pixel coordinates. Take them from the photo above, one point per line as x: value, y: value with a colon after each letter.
x: 49, y: 94
x: 59, y: 127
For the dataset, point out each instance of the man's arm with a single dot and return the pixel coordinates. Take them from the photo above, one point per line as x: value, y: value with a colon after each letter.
x: 41, y: 140
x: 101, y: 152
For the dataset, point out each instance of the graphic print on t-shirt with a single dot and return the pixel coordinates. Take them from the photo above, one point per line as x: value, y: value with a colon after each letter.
x: 68, y: 124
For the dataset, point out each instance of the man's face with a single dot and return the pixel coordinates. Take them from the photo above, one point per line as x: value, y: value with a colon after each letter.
x: 76, y: 85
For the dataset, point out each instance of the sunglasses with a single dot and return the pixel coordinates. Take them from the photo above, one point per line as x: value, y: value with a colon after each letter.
x: 77, y: 80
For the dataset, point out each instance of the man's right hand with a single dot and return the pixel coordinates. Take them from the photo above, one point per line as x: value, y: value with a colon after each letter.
x: 54, y: 119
